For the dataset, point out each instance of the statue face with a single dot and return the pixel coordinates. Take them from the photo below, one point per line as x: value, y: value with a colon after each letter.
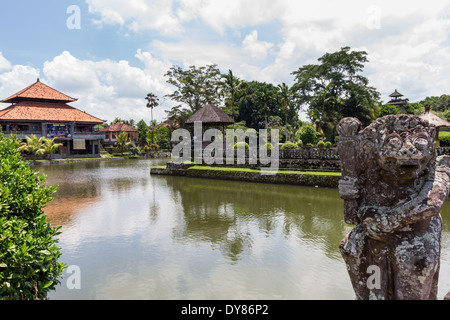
x: 405, y: 155
x: 403, y: 146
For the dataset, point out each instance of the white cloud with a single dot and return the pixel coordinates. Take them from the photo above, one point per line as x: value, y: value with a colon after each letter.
x: 4, y: 64
x: 107, y: 88
x: 255, y: 48
x: 136, y: 15
x: 220, y: 14
x: 15, y: 78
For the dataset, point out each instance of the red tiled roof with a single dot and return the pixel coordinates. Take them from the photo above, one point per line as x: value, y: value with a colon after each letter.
x: 119, y: 127
x: 40, y: 91
x: 41, y: 111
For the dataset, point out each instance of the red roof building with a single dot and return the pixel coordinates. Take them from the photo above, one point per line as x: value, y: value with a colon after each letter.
x: 43, y: 111
x: 116, y: 128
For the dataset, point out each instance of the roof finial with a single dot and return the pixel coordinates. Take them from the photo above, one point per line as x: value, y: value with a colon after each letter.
x: 37, y: 79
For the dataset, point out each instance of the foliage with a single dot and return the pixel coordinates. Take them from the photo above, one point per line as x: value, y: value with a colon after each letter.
x: 123, y: 143
x: 409, y: 108
x: 241, y: 144
x: 50, y: 146
x: 439, y: 104
x: 289, y: 145
x: 444, y: 138
x: 232, y: 89
x: 195, y: 87
x: 143, y: 131
x: 36, y: 147
x: 321, y: 144
x: 29, y: 267
x: 161, y: 136
x: 307, y: 134
x: 334, y: 89
x: 328, y: 144
x: 152, y: 102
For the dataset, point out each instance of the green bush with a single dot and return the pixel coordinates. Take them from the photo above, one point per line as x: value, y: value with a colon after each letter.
x: 289, y: 145
x: 321, y: 144
x: 444, y: 138
x: 29, y: 266
x: 268, y: 146
x: 241, y: 144
x: 328, y: 144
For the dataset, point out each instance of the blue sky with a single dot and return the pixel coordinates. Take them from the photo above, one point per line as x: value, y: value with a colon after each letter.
x: 123, y: 48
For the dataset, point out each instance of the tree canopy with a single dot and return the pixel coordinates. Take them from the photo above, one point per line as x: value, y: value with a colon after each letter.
x: 334, y: 89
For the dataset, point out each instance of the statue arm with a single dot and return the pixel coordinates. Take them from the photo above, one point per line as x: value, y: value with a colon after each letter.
x: 428, y: 203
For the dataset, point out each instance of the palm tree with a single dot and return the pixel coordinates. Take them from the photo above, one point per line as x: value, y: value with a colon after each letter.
x: 123, y: 142
x: 33, y: 146
x: 152, y: 103
x: 50, y: 147
x: 233, y: 89
x: 285, y: 94
x: 266, y: 99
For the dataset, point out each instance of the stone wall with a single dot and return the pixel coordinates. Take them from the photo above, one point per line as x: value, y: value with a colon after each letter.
x: 330, y: 181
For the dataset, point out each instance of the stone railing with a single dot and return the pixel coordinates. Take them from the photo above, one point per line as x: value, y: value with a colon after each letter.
x: 316, y: 153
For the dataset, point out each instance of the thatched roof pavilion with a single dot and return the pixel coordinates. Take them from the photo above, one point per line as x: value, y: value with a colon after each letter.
x: 434, y: 120
x: 210, y: 115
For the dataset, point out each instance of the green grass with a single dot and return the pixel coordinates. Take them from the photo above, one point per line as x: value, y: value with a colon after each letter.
x: 233, y: 169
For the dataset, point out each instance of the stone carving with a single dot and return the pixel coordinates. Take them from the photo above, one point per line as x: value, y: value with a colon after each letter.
x: 393, y: 187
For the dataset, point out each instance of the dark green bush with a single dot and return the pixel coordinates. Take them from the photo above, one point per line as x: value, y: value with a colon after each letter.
x: 29, y: 266
x: 328, y: 144
x: 321, y: 144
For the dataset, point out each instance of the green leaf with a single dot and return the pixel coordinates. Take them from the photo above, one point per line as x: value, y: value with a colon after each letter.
x: 3, y: 265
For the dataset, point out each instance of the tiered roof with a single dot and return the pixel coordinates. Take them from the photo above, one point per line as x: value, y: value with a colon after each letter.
x: 39, y: 92
x: 40, y: 102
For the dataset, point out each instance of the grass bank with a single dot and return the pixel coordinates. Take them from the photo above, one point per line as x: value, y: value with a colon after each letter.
x: 308, y: 178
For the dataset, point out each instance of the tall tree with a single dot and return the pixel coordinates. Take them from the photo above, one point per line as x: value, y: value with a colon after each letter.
x: 194, y: 87
x: 285, y: 99
x: 152, y: 102
x: 232, y: 89
x: 334, y: 89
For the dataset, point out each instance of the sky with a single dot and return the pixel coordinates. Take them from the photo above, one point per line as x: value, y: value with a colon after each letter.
x: 110, y: 53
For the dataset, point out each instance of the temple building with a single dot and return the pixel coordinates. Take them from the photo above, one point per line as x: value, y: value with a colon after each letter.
x: 43, y: 111
x: 113, y: 131
x: 396, y: 99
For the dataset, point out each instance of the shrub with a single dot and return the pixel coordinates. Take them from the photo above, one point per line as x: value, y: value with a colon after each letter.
x: 268, y: 146
x: 289, y: 145
x: 444, y: 138
x: 300, y: 143
x: 29, y: 266
x: 321, y: 144
x: 241, y: 144
x: 308, y: 134
x: 328, y: 144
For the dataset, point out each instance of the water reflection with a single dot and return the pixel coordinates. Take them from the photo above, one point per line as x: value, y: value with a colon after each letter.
x: 139, y: 236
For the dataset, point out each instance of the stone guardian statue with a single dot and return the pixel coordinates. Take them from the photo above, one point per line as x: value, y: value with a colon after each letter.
x: 393, y: 186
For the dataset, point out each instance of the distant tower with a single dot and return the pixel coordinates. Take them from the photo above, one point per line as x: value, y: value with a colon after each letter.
x: 396, y: 100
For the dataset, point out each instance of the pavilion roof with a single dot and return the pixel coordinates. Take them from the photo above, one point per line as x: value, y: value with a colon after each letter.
x: 44, y: 111
x: 433, y: 119
x: 395, y: 94
x: 39, y: 92
x: 210, y: 115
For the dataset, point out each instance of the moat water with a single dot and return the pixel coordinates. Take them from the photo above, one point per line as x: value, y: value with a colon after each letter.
x: 132, y: 235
